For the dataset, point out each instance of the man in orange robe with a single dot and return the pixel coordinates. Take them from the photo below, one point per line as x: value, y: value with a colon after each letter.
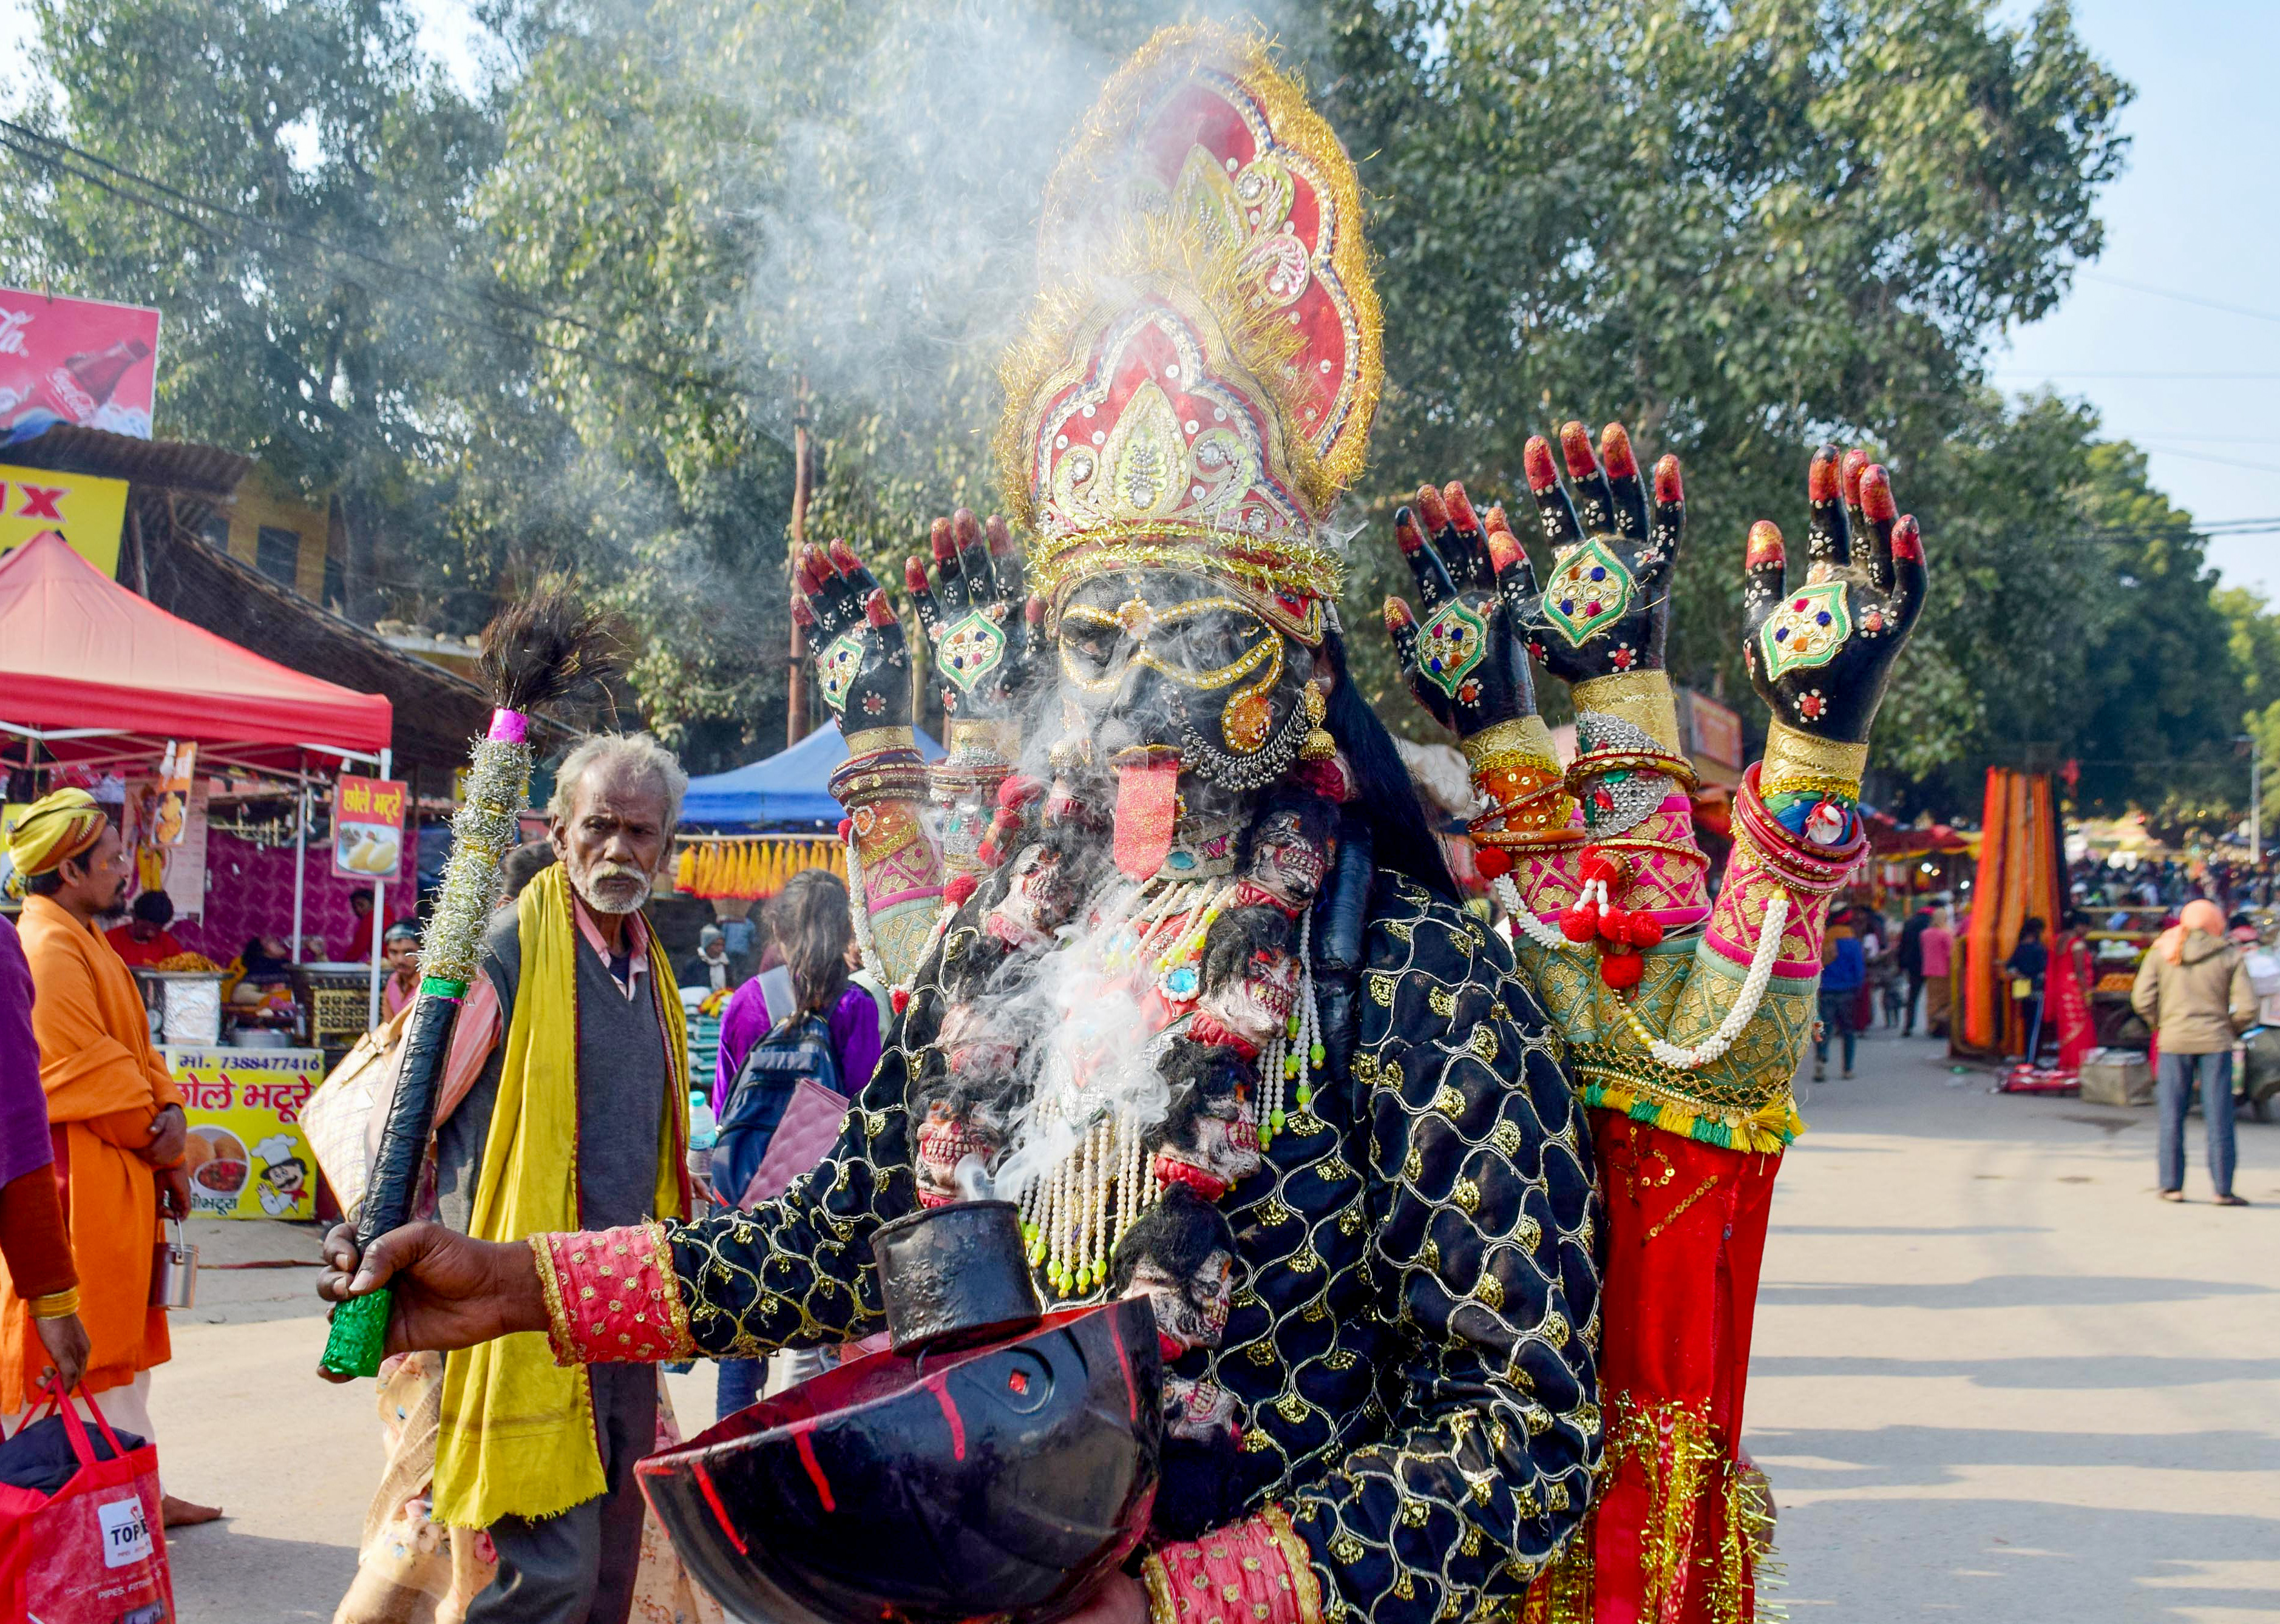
x: 116, y: 1119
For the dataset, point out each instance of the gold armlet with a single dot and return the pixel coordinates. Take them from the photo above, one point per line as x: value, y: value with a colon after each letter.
x: 1643, y: 698
x: 1796, y: 761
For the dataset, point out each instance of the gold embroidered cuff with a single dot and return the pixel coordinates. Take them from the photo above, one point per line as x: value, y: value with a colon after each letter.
x: 1303, y: 1581
x: 1162, y: 1608
x: 1523, y: 741
x: 998, y: 738
x: 1643, y: 698
x: 871, y: 741
x: 1797, y: 760
x: 56, y: 1304
x: 560, y: 1336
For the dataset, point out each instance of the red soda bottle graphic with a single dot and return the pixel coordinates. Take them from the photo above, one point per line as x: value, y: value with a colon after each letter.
x: 78, y: 389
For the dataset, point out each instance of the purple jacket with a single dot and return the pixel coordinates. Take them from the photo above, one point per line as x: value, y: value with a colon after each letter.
x: 24, y: 1146
x: 745, y: 1021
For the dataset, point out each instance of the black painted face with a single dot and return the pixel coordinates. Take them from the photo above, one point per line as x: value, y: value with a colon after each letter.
x: 1174, y: 660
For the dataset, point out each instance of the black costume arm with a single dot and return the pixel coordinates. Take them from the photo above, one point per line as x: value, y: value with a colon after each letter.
x: 796, y: 1271
x: 1483, y: 1214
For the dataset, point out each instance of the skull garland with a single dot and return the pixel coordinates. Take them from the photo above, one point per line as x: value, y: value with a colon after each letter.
x: 1208, y: 1141
x: 1288, y: 849
x: 1181, y: 1256
x: 1251, y: 975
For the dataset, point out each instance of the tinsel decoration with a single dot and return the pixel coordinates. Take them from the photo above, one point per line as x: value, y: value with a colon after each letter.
x: 534, y: 652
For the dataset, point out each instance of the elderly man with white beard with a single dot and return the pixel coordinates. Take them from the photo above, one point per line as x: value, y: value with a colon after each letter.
x: 573, y: 987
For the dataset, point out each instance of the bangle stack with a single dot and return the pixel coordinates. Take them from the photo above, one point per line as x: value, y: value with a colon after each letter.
x: 56, y: 1306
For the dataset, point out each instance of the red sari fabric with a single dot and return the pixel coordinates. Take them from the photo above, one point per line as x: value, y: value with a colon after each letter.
x: 1679, y: 1524
x: 2066, y: 989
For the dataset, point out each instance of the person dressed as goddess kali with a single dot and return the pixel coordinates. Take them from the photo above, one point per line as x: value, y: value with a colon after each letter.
x: 1453, y: 1240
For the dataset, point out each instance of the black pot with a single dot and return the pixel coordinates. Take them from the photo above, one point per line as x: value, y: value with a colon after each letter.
x: 955, y: 1275
x: 1000, y: 1480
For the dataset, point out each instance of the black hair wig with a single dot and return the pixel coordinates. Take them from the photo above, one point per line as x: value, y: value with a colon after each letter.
x: 1383, y: 793
x: 1239, y: 934
x: 1177, y: 1235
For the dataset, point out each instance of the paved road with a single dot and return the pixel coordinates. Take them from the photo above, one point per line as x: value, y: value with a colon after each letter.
x: 1995, y: 1379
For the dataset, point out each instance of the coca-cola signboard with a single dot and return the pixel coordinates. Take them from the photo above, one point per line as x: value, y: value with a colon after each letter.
x: 76, y: 361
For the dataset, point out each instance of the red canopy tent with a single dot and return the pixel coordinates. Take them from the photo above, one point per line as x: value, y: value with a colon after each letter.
x: 97, y: 674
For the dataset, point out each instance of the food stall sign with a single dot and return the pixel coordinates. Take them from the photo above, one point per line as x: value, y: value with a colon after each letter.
x: 87, y: 511
x: 249, y: 1156
x: 367, y: 827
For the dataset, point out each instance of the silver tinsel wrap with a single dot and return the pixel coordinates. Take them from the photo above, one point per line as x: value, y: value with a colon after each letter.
x: 484, y: 831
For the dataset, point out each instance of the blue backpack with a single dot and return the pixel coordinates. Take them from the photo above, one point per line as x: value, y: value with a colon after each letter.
x: 797, y: 1047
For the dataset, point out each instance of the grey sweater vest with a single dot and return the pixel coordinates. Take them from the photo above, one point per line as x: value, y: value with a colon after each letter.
x: 622, y: 1082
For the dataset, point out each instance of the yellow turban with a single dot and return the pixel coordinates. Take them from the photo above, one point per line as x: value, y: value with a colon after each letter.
x: 54, y: 829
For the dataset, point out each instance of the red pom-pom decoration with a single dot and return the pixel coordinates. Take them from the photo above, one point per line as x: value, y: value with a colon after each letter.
x: 1017, y: 792
x: 1614, y: 925
x: 960, y: 888
x: 1580, y: 924
x: 1607, y: 865
x: 1622, y: 970
x: 900, y: 998
x: 1494, y: 862
x: 1645, y: 929
x: 987, y: 852
x: 846, y: 829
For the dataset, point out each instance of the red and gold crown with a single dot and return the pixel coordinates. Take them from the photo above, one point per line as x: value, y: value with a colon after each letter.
x: 1196, y: 387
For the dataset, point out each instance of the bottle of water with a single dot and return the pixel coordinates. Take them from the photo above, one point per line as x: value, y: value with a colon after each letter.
x: 704, y: 1129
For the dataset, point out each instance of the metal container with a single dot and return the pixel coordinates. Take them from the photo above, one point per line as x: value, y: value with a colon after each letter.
x: 955, y: 1275
x: 174, y: 1272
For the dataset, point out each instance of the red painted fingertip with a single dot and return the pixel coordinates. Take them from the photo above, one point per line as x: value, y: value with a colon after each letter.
x: 968, y: 528
x: 1034, y: 611
x: 1431, y: 509
x: 800, y: 611
x: 1821, y: 483
x: 1615, y: 453
x: 1397, y: 618
x: 1764, y: 544
x: 1001, y: 535
x: 1494, y: 520
x: 875, y: 610
x: 1576, y: 444
x: 914, y: 575
x: 1460, y: 508
x: 1856, y: 463
x: 1535, y: 459
x: 1504, y: 552
x: 1907, y: 540
x: 1669, y: 490
x: 940, y: 540
x: 1875, y: 494
x: 1405, y: 533
x: 843, y: 559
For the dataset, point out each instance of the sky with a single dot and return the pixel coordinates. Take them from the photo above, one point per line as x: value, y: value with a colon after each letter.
x: 2173, y: 335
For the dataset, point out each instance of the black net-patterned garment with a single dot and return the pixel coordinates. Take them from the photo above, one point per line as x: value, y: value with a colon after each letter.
x: 1413, y: 1337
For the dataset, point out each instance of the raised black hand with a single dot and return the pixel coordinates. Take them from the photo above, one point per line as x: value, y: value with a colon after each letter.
x: 862, y: 664
x: 1820, y: 652
x: 1464, y: 661
x: 978, y: 616
x: 1605, y: 604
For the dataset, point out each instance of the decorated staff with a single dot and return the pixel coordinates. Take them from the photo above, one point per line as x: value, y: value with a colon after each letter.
x: 533, y: 653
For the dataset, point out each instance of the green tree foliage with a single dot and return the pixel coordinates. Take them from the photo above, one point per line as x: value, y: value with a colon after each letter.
x: 668, y: 231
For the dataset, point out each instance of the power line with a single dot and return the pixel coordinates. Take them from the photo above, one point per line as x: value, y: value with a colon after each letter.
x: 57, y: 157
x: 2019, y: 372
x: 2181, y: 298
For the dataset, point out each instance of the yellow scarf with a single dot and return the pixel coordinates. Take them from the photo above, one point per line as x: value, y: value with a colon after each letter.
x: 517, y: 1434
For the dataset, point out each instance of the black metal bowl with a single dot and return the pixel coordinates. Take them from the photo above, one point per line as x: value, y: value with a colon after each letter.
x: 998, y: 1482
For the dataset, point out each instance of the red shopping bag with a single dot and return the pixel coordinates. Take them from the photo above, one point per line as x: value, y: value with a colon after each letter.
x: 94, y: 1552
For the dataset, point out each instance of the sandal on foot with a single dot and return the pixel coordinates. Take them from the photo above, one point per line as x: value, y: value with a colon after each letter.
x: 2231, y: 1201
x: 2172, y: 1195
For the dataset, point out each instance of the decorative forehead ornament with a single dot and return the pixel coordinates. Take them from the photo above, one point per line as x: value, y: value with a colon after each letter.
x: 1196, y: 386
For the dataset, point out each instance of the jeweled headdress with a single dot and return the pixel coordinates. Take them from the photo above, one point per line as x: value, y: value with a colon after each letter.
x: 1196, y: 387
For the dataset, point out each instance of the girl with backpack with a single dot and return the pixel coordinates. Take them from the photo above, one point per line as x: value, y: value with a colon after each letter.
x: 779, y: 1068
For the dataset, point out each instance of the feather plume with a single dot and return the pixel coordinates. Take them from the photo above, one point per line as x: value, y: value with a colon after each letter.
x: 542, y: 646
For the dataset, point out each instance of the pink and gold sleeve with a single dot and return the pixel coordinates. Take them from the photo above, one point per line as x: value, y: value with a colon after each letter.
x: 611, y: 1296
x: 1251, y: 1571
x: 883, y: 787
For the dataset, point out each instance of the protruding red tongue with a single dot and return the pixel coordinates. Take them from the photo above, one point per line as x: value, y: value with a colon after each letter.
x: 1147, y: 794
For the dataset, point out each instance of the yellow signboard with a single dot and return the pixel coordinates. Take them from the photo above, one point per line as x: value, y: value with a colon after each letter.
x: 249, y: 1155
x: 85, y: 511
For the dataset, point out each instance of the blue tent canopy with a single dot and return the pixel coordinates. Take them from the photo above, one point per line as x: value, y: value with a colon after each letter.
x: 787, y: 787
